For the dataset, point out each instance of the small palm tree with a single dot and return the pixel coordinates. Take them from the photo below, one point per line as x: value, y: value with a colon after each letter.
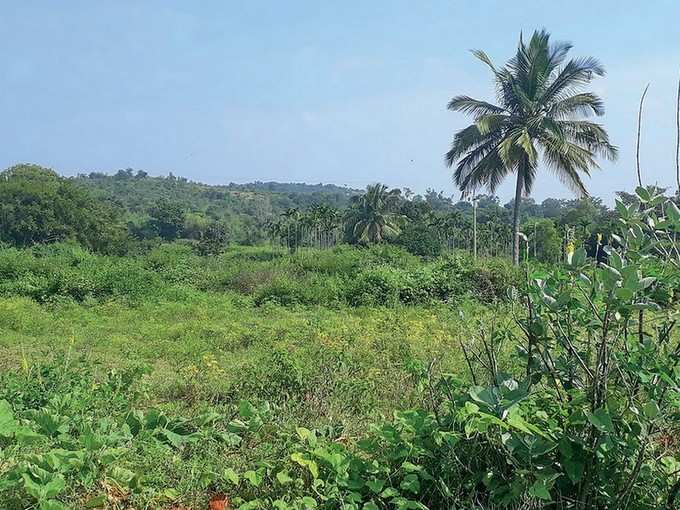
x: 373, y: 215
x: 539, y: 113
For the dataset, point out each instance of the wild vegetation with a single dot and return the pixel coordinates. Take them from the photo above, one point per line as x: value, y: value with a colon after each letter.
x: 133, y: 213
x: 271, y: 377
x: 171, y: 345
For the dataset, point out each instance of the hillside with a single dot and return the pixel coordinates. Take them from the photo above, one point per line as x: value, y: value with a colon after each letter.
x: 136, y: 191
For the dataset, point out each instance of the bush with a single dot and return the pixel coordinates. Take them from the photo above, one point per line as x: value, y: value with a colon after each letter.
x: 379, y: 275
x: 380, y: 286
x: 419, y: 239
x: 491, y: 279
x: 581, y: 418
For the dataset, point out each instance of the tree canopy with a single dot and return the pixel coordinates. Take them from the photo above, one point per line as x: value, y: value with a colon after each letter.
x: 39, y: 206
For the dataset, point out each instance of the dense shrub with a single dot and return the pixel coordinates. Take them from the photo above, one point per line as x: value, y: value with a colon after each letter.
x: 380, y: 275
x: 175, y: 263
x: 420, y: 239
x: 379, y: 286
x: 67, y: 271
x: 306, y: 290
x: 571, y: 400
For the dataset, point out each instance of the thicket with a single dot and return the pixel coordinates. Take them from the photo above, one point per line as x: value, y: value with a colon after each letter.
x: 382, y: 276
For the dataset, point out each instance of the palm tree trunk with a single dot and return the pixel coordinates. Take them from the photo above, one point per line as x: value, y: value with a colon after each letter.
x: 474, y: 228
x: 515, y: 219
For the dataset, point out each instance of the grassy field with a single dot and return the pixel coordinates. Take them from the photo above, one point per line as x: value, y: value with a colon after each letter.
x: 360, y: 379
x: 342, y: 364
x: 85, y: 338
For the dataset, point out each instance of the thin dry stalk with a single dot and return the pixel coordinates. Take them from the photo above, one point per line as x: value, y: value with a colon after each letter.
x: 637, y: 148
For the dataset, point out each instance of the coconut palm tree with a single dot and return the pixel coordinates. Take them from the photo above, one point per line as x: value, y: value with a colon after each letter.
x: 540, y: 111
x: 372, y: 216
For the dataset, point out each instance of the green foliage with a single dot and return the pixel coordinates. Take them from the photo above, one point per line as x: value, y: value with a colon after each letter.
x: 168, y: 208
x: 420, y: 240
x: 244, y: 209
x: 269, y: 388
x: 214, y: 239
x: 167, y: 219
x: 382, y: 275
x: 544, y: 240
x: 372, y: 217
x: 38, y: 206
x: 64, y: 270
x: 577, y: 426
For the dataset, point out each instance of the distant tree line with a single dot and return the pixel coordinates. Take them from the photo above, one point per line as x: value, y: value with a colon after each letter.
x: 433, y: 223
x: 130, y: 211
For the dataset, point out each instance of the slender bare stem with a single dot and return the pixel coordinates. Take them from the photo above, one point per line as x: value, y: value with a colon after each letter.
x: 677, y: 140
x: 637, y: 148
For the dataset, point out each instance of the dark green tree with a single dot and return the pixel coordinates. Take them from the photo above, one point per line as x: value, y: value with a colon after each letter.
x: 167, y: 219
x: 420, y: 239
x: 39, y: 206
x: 214, y: 239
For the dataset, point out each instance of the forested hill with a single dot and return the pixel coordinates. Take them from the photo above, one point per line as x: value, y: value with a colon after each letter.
x: 137, y: 191
x: 244, y: 208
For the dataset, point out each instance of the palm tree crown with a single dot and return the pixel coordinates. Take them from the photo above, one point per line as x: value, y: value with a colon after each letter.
x: 373, y: 217
x: 540, y: 111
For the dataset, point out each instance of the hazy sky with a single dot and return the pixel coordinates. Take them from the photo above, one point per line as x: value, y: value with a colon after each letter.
x: 348, y: 92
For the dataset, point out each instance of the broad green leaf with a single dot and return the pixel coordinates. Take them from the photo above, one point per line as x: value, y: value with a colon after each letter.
x: 8, y: 424
x: 651, y: 409
x: 309, y: 502
x: 26, y: 436
x: 178, y: 440
x: 51, y: 504
x: 375, y: 485
x: 574, y: 469
x: 390, y: 492
x: 410, y: 467
x: 283, y: 477
x: 97, y: 501
x: 48, y: 488
x: 309, y: 464
x: 601, y: 420
x: 230, y: 475
x: 539, y: 490
x: 672, y: 211
x: 253, y: 477
x: 621, y: 209
x: 410, y: 483
x: 643, y: 194
x: 246, y: 410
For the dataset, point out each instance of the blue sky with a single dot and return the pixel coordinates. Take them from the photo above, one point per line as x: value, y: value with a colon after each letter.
x: 343, y: 92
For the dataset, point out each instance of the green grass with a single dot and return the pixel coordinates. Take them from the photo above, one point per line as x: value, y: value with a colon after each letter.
x: 241, y: 351
x: 330, y: 340
x: 342, y: 367
x: 285, y: 381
